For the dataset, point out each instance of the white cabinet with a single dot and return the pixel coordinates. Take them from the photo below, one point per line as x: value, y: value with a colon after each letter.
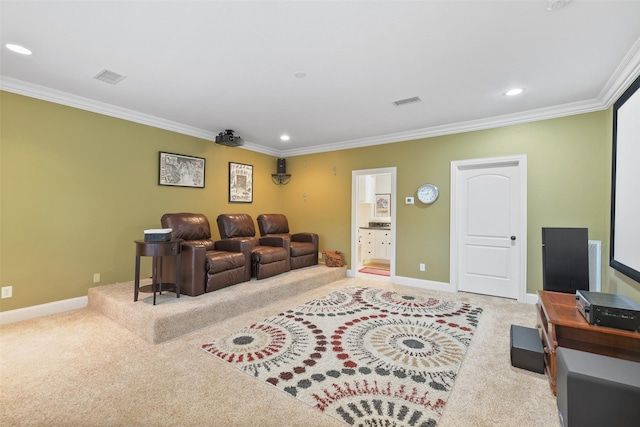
x: 376, y: 244
x: 367, y: 188
x: 368, y: 243
x: 383, y: 243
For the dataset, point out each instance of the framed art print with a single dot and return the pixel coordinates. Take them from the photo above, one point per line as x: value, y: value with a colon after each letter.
x: 240, y: 183
x: 382, y: 207
x: 181, y: 171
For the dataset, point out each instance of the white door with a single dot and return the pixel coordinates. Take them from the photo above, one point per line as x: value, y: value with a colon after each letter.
x: 490, y: 224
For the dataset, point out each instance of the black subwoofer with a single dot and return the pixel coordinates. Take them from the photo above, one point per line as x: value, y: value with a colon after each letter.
x: 526, y: 349
x: 597, y: 391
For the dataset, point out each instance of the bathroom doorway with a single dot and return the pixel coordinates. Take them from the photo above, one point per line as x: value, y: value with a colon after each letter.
x: 373, y: 223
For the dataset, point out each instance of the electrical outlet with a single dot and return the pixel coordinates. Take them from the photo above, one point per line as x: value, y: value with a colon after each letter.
x: 7, y: 291
x: 96, y: 278
x: 422, y: 267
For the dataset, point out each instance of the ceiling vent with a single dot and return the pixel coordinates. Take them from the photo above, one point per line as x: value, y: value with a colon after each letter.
x: 407, y: 101
x: 109, y: 77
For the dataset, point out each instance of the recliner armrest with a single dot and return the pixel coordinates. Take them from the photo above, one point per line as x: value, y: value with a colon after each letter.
x: 232, y: 245
x: 305, y: 237
x: 192, y: 269
x: 279, y: 241
x: 193, y: 244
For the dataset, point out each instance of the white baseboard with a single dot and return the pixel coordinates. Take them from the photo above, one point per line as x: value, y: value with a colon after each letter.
x: 531, y: 298
x: 436, y: 286
x: 423, y: 284
x: 34, y: 311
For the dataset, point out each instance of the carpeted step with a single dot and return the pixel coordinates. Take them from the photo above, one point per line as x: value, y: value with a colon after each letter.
x: 172, y: 317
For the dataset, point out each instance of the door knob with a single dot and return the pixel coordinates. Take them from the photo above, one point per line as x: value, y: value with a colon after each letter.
x: 513, y: 237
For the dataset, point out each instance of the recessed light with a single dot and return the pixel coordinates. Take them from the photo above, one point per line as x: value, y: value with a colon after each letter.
x: 514, y: 91
x: 18, y: 49
x: 300, y: 74
x: 553, y: 5
x: 284, y: 137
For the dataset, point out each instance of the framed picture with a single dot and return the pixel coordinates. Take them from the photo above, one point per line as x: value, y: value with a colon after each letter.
x: 382, y: 206
x: 240, y: 183
x: 181, y: 171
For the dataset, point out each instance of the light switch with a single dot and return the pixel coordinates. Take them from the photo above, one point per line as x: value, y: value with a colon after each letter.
x: 408, y: 200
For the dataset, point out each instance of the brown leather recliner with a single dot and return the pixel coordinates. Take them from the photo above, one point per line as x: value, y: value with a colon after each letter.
x: 269, y: 255
x: 206, y: 265
x: 304, y: 246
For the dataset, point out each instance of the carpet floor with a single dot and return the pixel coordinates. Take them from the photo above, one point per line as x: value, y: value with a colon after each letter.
x: 80, y: 368
x: 173, y: 317
x: 367, y: 356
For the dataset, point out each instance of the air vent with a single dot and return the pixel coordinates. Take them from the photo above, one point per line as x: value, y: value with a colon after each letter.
x: 109, y: 77
x: 407, y: 101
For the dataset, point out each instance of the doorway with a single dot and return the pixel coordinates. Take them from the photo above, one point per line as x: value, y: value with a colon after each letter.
x: 373, y: 223
x: 489, y: 226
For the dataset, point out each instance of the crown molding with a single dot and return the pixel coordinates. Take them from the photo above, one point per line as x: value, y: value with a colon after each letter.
x: 461, y: 127
x: 52, y: 95
x: 624, y: 75
x: 20, y: 87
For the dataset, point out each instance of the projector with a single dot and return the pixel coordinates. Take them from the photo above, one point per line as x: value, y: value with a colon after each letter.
x: 227, y: 138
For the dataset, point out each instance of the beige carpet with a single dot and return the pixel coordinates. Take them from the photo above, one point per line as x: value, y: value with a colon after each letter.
x: 81, y: 369
x: 172, y: 317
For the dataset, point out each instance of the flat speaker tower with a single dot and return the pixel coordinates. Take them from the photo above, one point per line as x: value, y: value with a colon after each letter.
x: 565, y: 259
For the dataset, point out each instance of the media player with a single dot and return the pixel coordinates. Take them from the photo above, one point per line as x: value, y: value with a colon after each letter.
x: 614, y: 311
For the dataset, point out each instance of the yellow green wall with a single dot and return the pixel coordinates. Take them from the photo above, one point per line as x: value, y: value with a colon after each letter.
x: 568, y: 185
x: 78, y: 188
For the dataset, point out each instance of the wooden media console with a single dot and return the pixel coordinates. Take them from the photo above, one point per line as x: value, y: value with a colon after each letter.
x: 562, y: 325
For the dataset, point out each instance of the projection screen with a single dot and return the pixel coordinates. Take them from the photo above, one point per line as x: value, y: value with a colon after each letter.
x: 625, y: 184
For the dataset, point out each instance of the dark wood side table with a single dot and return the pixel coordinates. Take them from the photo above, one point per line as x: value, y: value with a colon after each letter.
x: 562, y: 325
x: 158, y: 250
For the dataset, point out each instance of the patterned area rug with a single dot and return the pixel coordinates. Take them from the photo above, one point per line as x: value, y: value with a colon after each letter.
x: 369, y: 357
x: 373, y: 270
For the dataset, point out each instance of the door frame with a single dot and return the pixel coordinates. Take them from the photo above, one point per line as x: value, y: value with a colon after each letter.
x: 355, y: 197
x: 456, y: 167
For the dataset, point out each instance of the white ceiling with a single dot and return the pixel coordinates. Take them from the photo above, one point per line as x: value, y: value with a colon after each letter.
x: 199, y: 67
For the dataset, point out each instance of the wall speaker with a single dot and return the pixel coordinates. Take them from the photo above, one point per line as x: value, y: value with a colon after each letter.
x: 282, y: 167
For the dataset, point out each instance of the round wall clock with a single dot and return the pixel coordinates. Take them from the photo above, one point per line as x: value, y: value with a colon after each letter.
x: 428, y: 193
